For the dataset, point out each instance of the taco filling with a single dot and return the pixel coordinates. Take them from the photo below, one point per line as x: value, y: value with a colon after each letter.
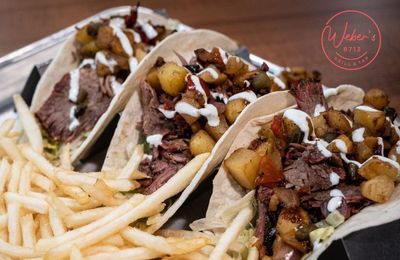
x: 108, y: 51
x: 314, y: 167
x: 187, y: 108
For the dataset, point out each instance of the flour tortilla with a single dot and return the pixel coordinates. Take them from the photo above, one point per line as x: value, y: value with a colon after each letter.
x: 226, y: 190
x: 127, y: 135
x: 64, y: 62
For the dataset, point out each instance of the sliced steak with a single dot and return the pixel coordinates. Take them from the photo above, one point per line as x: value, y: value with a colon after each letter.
x: 308, y: 95
x: 54, y: 113
x: 288, y: 197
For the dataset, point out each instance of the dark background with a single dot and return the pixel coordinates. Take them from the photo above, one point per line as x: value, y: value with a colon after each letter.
x: 285, y: 32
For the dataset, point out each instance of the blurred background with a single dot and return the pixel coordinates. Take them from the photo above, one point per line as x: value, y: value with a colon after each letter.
x: 285, y: 32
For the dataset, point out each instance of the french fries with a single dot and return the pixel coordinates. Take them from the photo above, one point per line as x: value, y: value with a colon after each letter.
x: 54, y: 212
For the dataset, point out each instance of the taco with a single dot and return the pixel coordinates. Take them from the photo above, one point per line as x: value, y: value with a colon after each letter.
x: 89, y: 80
x: 191, y: 98
x: 307, y: 175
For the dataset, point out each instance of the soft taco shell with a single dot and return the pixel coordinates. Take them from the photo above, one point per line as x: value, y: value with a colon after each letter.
x: 63, y: 63
x: 126, y: 133
x: 226, y: 190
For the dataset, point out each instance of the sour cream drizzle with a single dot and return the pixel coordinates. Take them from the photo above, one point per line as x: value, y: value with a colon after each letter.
x: 224, y: 55
x: 300, y: 118
x: 358, y: 135
x: 321, y: 146
x: 90, y: 62
x: 318, y: 109
x: 249, y: 96
x: 133, y: 63
x: 74, y: 122
x: 213, y: 73
x: 198, y: 86
x: 209, y: 111
x: 116, y: 86
x: 341, y: 145
x: 277, y: 80
x: 220, y: 96
x: 102, y: 59
x: 334, y: 178
x: 150, y: 32
x: 123, y: 39
x: 167, y: 113
x: 74, y: 85
x: 154, y: 140
x: 367, y: 108
x: 336, y: 200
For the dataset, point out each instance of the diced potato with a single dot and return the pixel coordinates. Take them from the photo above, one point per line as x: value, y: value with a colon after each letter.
x: 89, y: 49
x: 320, y: 126
x: 104, y: 37
x: 288, y: 221
x: 234, y: 65
x: 116, y: 47
x: 234, y: 108
x: 201, y: 142
x: 217, y: 131
x: 394, y: 155
x: 378, y: 189
x: 212, y: 75
x: 172, y: 78
x: 195, y: 127
x: 152, y: 78
x: 337, y: 120
x: 82, y: 35
x: 140, y: 54
x: 366, y: 148
x: 265, y: 131
x: 335, y: 146
x: 243, y: 164
x: 375, y: 167
x: 376, y: 98
x: 295, y: 135
x: 263, y: 148
x: 261, y: 81
x: 191, y: 101
x: 372, y: 120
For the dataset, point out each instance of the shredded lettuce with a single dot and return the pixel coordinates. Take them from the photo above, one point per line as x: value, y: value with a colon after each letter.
x: 335, y: 219
x: 231, y: 211
x: 320, y: 234
x: 51, y: 149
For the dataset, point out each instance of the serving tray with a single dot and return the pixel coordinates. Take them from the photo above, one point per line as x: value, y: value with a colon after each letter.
x: 21, y: 70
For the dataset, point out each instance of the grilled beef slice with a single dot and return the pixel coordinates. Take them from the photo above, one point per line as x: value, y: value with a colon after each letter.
x: 54, y: 113
x: 308, y: 95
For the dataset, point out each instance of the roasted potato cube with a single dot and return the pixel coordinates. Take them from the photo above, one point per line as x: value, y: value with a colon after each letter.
x: 321, y: 127
x: 234, y: 108
x: 195, y: 127
x: 341, y: 144
x: 152, y: 78
x: 116, y: 47
x: 217, y: 131
x: 172, y: 78
x: 261, y: 81
x: 373, y: 120
x: 375, y: 167
x: 366, y: 148
x: 191, y: 101
x: 201, y: 142
x: 378, y: 189
x: 294, y: 133
x: 140, y: 54
x: 288, y: 221
x: 234, y: 65
x: 376, y: 98
x: 89, y: 49
x: 212, y: 75
x: 243, y: 164
x: 393, y: 154
x: 104, y: 37
x: 337, y: 120
x: 82, y: 35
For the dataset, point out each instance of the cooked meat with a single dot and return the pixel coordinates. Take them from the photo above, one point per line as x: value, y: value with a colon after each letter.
x: 307, y: 169
x: 54, y: 115
x: 288, y: 197
x: 163, y: 171
x: 256, y: 143
x: 308, y: 95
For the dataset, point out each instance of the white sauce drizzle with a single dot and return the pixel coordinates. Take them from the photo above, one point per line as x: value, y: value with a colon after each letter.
x: 213, y: 73
x: 116, y: 86
x: 220, y: 96
x: 380, y: 142
x: 186, y: 109
x: 336, y: 200
x: 224, y: 55
x: 154, y: 140
x: 198, y: 86
x: 321, y: 146
x: 74, y: 85
x: 150, y: 32
x: 384, y: 159
x: 167, y: 113
x: 277, y: 80
x: 319, y: 109
x: 334, y: 178
x: 101, y: 58
x: 133, y: 64
x: 90, y: 62
x: 367, y: 108
x: 74, y: 122
x: 249, y: 96
x: 300, y: 118
x: 117, y: 22
x: 211, y: 113
x: 346, y: 160
x: 123, y: 39
x: 336, y: 193
x: 358, y: 135
x: 246, y: 83
x: 341, y: 145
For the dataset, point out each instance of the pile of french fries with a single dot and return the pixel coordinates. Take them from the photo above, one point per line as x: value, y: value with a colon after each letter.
x: 53, y: 212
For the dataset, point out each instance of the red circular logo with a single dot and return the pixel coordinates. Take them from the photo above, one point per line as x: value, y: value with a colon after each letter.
x: 351, y: 40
